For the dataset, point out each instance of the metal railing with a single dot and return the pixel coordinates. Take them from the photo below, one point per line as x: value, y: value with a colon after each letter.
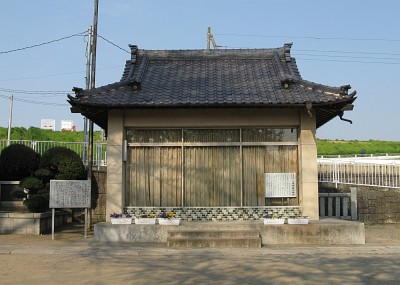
x: 99, y: 149
x: 362, y: 155
x: 378, y: 173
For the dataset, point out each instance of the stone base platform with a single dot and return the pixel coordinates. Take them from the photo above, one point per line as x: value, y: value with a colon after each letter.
x: 322, y: 232
x: 30, y: 223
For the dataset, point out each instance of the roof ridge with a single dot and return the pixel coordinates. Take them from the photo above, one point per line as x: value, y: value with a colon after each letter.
x: 138, y: 75
x: 284, y: 77
x: 211, y: 53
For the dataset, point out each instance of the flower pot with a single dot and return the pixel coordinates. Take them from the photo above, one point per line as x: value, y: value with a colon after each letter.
x: 274, y: 221
x: 298, y: 221
x: 121, y: 221
x: 145, y: 221
x: 169, y: 222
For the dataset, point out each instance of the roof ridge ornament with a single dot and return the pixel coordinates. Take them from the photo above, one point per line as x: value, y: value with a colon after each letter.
x: 287, y: 48
x: 134, y: 51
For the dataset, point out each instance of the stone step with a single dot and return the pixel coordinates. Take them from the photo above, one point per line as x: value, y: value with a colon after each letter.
x: 214, y: 238
x: 214, y: 234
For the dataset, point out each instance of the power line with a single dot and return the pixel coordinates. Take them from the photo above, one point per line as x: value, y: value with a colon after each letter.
x: 343, y: 56
x: 313, y: 37
x: 57, y: 74
x: 110, y: 42
x: 347, y: 61
x: 386, y: 60
x: 34, y: 102
x: 50, y: 92
x: 346, y: 52
x: 42, y: 44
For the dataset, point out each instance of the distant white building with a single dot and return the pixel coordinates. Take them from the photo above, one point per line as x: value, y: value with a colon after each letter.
x: 48, y: 124
x: 67, y: 125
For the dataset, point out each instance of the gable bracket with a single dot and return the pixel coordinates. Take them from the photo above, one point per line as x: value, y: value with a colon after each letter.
x: 309, y: 107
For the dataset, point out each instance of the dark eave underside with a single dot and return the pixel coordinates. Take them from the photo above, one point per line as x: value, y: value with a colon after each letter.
x: 324, y: 113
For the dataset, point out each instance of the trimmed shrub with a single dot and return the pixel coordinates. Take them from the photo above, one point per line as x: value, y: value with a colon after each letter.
x: 18, y: 193
x: 31, y: 183
x: 43, y: 192
x: 37, y: 203
x: 18, y: 161
x: 44, y: 174
x: 64, y: 163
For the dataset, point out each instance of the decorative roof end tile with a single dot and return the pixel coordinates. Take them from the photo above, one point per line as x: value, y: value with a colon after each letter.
x: 134, y: 50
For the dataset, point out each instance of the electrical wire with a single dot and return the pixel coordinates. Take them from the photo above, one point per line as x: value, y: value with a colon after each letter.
x: 32, y: 91
x: 34, y: 102
x: 347, y: 61
x: 312, y: 37
x: 345, y: 52
x: 343, y: 56
x: 59, y: 74
x: 110, y: 42
x: 44, y: 43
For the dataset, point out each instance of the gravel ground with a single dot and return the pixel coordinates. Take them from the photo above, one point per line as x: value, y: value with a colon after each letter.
x: 70, y: 259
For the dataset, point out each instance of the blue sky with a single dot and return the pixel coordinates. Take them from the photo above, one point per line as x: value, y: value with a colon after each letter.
x: 334, y: 42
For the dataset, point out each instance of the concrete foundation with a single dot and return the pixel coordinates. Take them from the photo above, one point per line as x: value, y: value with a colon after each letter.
x: 30, y: 223
x: 322, y: 232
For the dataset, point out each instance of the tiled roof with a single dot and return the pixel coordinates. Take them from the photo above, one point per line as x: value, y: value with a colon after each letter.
x: 211, y: 78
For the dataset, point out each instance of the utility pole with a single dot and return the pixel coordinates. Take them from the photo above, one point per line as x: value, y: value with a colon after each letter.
x: 92, y: 86
x: 85, y: 120
x: 10, y: 120
x: 210, y: 39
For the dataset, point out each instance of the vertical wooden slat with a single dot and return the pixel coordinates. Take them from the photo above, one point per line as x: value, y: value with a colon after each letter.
x: 201, y: 176
x: 260, y: 191
x: 170, y: 175
x: 179, y: 170
x: 136, y: 174
x: 195, y: 177
x: 220, y: 177
x: 146, y: 176
x: 157, y: 177
x: 163, y: 176
x: 167, y: 191
x: 213, y: 176
x: 151, y: 175
x: 192, y: 176
x: 230, y: 180
x: 210, y: 183
x: 139, y: 176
